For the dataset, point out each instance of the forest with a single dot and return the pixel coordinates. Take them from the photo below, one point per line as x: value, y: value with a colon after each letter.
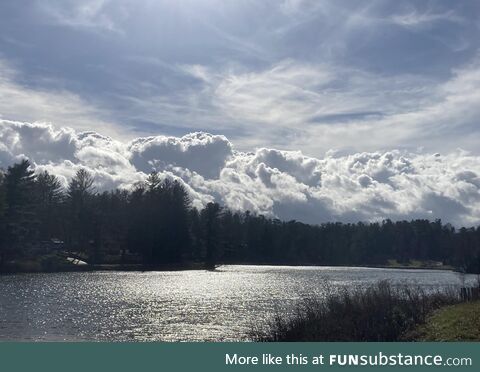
x: 155, y: 225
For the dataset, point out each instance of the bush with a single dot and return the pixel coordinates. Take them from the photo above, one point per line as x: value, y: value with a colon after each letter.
x: 380, y: 312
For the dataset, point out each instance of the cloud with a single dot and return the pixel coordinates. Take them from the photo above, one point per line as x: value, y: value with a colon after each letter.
x: 271, y: 76
x: 291, y: 74
x: 87, y: 14
x: 316, y: 107
x: 60, y: 106
x: 418, y: 19
x: 63, y: 151
x: 363, y: 186
x: 202, y: 153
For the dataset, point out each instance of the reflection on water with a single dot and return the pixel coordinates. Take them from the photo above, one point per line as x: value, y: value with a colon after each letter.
x: 180, y: 305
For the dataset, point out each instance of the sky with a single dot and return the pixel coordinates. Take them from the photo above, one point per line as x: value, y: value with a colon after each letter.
x: 313, y: 110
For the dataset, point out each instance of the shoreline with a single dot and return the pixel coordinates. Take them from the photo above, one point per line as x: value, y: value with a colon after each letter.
x: 201, y: 266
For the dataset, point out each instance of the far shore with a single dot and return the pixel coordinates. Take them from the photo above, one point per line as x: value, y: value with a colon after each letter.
x: 21, y: 267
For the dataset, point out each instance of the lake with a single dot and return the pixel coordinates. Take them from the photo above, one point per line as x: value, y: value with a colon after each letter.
x: 221, y: 305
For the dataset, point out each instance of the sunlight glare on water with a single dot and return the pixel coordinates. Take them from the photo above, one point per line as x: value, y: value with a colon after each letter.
x: 221, y: 305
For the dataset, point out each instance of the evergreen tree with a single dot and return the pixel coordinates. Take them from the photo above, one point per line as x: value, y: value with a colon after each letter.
x: 79, y: 211
x: 20, y: 225
x: 49, y: 193
x: 2, y: 220
x: 210, y: 216
x: 156, y: 221
x: 178, y: 223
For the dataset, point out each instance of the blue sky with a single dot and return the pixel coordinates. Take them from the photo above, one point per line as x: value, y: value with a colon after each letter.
x: 294, y: 74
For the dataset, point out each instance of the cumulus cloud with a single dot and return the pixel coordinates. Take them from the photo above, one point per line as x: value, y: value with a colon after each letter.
x: 63, y: 151
x: 200, y: 152
x: 285, y: 184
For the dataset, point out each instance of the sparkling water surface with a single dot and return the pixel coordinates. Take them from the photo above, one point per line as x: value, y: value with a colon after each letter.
x: 221, y: 305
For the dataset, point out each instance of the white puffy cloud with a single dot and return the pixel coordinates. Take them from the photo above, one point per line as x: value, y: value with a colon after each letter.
x: 63, y: 151
x: 285, y: 184
x: 200, y: 152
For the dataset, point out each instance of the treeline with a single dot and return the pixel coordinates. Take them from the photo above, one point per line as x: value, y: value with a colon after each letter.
x: 155, y: 224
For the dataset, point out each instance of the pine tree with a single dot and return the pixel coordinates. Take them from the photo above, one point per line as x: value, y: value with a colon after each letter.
x: 79, y: 210
x: 210, y: 216
x: 49, y: 194
x: 20, y: 208
x: 2, y: 219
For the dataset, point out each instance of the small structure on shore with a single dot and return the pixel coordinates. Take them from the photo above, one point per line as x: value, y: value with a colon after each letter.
x: 76, y: 261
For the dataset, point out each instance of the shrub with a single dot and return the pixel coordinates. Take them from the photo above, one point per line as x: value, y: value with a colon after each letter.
x: 380, y: 312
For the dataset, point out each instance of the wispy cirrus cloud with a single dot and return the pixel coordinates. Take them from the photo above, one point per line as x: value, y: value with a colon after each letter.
x: 60, y: 106
x: 89, y: 14
x: 292, y: 75
x: 326, y: 106
x: 414, y: 18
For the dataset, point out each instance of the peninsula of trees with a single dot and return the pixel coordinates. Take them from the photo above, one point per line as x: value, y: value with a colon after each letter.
x: 155, y: 225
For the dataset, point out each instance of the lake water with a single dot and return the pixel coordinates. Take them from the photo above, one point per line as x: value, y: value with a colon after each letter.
x: 172, y: 306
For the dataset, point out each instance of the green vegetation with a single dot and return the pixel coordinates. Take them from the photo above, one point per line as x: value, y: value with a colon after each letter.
x: 380, y: 312
x: 155, y: 225
x: 460, y: 322
x: 418, y: 264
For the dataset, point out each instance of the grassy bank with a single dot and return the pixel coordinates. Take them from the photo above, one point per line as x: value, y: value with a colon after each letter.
x: 460, y: 322
x: 418, y: 264
x: 380, y: 312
